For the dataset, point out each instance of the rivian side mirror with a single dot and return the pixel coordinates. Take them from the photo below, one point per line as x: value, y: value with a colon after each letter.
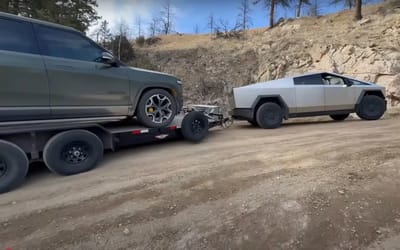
x: 108, y: 58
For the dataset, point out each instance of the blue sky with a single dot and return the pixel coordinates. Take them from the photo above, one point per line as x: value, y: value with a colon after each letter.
x: 189, y: 13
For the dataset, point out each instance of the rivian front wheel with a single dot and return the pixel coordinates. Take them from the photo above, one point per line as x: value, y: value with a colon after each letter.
x: 371, y: 107
x: 269, y: 115
x: 157, y: 108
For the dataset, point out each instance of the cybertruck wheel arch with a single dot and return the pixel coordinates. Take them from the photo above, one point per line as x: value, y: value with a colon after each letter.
x: 270, y: 98
x: 368, y: 92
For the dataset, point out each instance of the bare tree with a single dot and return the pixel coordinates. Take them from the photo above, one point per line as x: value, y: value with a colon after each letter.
x: 300, y: 4
x: 196, y: 29
x: 314, y: 9
x: 122, y: 32
x: 103, y: 34
x: 154, y: 28
x: 167, y: 18
x: 349, y: 3
x: 139, y: 25
x: 211, y: 23
x: 358, y: 14
x: 244, y: 15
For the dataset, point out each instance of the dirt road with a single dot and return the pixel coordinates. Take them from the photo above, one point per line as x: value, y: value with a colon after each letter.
x: 319, y: 185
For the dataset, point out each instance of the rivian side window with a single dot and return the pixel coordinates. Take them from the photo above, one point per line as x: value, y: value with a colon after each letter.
x: 308, y: 80
x: 66, y: 44
x: 17, y: 36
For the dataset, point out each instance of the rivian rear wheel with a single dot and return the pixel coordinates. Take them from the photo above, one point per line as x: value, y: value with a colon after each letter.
x: 371, y: 107
x: 340, y: 117
x: 269, y: 116
x: 156, y: 108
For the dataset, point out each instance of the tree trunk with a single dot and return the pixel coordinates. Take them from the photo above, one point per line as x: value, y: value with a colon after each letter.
x: 358, y: 15
x: 272, y: 14
x: 298, y: 13
x: 350, y: 4
x: 119, y: 46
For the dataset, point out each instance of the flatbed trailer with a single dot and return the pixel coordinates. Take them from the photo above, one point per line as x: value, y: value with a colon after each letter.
x: 72, y: 146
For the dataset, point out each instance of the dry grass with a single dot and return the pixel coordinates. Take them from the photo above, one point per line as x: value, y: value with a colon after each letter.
x: 309, y: 25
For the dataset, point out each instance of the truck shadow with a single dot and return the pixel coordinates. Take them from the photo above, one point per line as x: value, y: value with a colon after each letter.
x: 299, y: 123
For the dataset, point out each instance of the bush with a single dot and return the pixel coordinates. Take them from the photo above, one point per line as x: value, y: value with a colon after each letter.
x: 152, y: 40
x: 140, y: 41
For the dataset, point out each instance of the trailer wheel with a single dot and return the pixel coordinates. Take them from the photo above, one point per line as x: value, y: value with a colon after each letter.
x: 194, y: 126
x: 14, y: 166
x: 73, y: 152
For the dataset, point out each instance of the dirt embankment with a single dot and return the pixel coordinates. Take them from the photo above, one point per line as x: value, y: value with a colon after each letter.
x: 319, y: 185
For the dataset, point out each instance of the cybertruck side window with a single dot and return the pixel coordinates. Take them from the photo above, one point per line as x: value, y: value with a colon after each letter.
x: 17, y: 36
x: 355, y: 82
x: 308, y: 80
x: 66, y: 44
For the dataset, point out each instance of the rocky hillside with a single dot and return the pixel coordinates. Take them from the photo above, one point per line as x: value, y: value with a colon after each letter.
x: 210, y: 68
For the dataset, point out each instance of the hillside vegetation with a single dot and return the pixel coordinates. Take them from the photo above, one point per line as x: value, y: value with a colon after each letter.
x: 368, y: 49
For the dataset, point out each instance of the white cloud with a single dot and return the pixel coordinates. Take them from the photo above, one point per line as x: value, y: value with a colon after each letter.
x: 126, y: 11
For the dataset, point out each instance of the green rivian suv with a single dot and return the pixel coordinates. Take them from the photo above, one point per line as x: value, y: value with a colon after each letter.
x: 49, y: 71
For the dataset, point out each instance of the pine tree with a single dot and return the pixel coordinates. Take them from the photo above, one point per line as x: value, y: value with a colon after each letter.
x: 272, y: 5
x: 79, y: 14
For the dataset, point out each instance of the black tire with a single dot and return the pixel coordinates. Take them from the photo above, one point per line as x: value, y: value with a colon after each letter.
x: 14, y: 166
x: 340, y: 117
x: 371, y: 107
x: 194, y: 127
x: 73, y: 152
x: 269, y: 116
x: 253, y: 123
x: 143, y: 115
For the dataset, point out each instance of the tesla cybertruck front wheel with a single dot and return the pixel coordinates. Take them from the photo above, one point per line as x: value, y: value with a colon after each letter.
x: 371, y: 107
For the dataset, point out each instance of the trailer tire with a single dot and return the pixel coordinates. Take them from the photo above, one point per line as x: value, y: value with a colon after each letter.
x: 14, y: 166
x: 194, y: 126
x: 73, y: 152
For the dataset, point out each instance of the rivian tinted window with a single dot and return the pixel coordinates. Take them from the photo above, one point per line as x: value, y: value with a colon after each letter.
x: 66, y: 44
x: 308, y: 80
x: 17, y: 36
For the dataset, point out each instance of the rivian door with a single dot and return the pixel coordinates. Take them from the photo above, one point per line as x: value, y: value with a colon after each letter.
x: 80, y: 84
x: 310, y: 96
x: 338, y: 96
x: 24, y: 90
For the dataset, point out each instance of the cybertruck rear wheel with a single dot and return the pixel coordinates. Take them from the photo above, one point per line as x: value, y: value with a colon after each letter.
x: 156, y: 108
x: 269, y: 116
x: 371, y: 107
